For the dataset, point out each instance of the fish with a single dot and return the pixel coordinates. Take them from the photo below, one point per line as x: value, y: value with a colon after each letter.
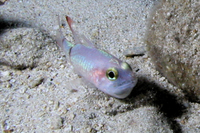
x: 106, y: 72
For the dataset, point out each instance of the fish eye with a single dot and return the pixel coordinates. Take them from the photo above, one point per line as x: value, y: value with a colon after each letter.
x: 112, y: 74
x: 125, y: 66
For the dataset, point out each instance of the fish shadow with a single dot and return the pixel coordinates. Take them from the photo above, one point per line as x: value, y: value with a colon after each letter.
x: 11, y: 24
x: 150, y: 94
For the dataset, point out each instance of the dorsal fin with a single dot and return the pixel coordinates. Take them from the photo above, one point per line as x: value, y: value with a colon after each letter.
x: 78, y: 38
x: 74, y: 32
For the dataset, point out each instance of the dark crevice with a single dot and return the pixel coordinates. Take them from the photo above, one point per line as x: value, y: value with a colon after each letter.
x: 2, y: 2
x: 10, y: 24
x: 23, y: 67
x: 17, y: 67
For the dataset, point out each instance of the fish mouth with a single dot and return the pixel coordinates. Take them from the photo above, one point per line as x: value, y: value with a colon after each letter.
x: 124, y: 89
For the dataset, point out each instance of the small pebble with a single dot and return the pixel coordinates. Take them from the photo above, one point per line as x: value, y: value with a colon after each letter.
x: 6, y: 85
x: 50, y: 102
x: 92, y: 116
x: 57, y: 122
x: 36, y: 82
x: 62, y: 110
x: 71, y: 116
x: 68, y: 129
x: 5, y: 73
x: 62, y: 66
x: 18, y: 72
x: 22, y: 90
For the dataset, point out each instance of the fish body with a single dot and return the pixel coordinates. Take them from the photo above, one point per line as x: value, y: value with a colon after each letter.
x: 105, y: 71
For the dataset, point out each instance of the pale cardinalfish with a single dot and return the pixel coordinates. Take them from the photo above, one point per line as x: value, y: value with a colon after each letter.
x: 107, y: 73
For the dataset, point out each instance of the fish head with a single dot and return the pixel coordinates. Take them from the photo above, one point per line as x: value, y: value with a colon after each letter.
x: 117, y: 80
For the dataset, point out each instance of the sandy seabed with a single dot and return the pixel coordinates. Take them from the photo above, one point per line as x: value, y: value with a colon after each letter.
x: 40, y: 92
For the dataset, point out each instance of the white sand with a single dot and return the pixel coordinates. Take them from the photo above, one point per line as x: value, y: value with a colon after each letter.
x: 47, y: 96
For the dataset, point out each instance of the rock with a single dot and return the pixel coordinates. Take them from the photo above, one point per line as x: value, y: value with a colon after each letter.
x: 172, y: 39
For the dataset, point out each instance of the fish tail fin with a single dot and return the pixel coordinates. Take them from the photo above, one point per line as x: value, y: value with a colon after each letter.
x: 62, y: 41
x: 59, y: 35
